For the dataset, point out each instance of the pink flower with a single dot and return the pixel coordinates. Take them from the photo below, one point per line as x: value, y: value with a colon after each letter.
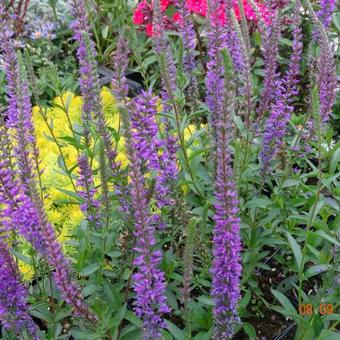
x: 138, y: 17
x: 197, y: 6
x: 176, y: 17
x: 165, y: 4
x: 149, y: 29
x: 143, y: 13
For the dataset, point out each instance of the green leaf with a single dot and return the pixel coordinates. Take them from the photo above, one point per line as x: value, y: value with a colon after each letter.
x: 71, y: 194
x: 258, y: 203
x: 327, y: 237
x: 326, y: 334
x: 284, y: 301
x: 130, y: 316
x: 114, y: 253
x: 315, y: 270
x: 206, y: 300
x: 105, y: 31
x: 84, y: 335
x: 296, y: 250
x: 22, y: 257
x: 249, y: 330
x: 175, y: 331
x: 335, y: 160
x: 285, y: 41
x: 90, y: 269
x: 336, y: 20
x: 290, y: 183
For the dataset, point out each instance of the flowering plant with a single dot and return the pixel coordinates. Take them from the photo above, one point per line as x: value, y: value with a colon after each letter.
x: 143, y: 14
x: 182, y: 210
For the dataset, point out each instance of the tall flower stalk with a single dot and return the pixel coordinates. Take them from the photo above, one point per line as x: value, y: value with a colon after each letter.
x: 14, y: 314
x: 168, y: 74
x: 270, y: 52
x: 149, y: 281
x: 285, y: 89
x: 327, y: 8
x: 214, y: 78
x: 150, y: 147
x: 92, y: 108
x: 19, y: 106
x: 90, y: 206
x: 326, y: 68
x: 189, y: 43
x: 27, y: 217
x: 226, y: 267
x: 23, y: 207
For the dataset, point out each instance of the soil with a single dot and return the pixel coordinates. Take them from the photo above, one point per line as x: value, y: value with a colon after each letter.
x: 271, y: 325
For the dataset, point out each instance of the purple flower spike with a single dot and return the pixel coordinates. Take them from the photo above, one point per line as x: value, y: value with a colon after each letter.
x: 19, y: 111
x: 149, y: 280
x: 21, y: 214
x: 270, y: 53
x: 327, y: 8
x: 90, y: 207
x: 13, y: 296
x: 214, y: 78
x: 281, y: 109
x: 150, y: 148
x: 226, y: 268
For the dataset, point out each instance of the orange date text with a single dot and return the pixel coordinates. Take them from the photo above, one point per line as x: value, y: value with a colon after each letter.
x: 309, y: 309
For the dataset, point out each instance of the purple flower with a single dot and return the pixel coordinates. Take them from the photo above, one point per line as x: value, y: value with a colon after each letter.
x: 226, y: 267
x: 13, y: 296
x: 169, y: 86
x: 270, y: 52
x: 233, y: 42
x: 22, y: 207
x: 120, y: 87
x: 89, y: 81
x: 214, y: 78
x: 326, y: 72
x: 326, y: 78
x: 327, y: 8
x: 276, y: 125
x: 149, y: 281
x: 90, y: 206
x: 291, y: 78
x: 189, y: 43
x: 23, y: 215
x: 19, y: 111
x: 90, y: 90
x: 120, y: 91
x: 150, y: 147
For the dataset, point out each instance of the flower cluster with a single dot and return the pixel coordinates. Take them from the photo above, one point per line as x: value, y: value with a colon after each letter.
x: 44, y: 30
x: 23, y: 207
x: 150, y: 147
x: 226, y: 268
x: 149, y: 281
x: 143, y: 14
x: 285, y: 89
x: 90, y: 206
x: 13, y: 296
x: 327, y: 8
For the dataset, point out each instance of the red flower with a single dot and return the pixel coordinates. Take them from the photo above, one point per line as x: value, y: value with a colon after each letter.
x: 143, y: 13
x: 138, y: 17
x: 149, y: 29
x: 197, y: 6
x: 165, y: 4
x: 176, y: 17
